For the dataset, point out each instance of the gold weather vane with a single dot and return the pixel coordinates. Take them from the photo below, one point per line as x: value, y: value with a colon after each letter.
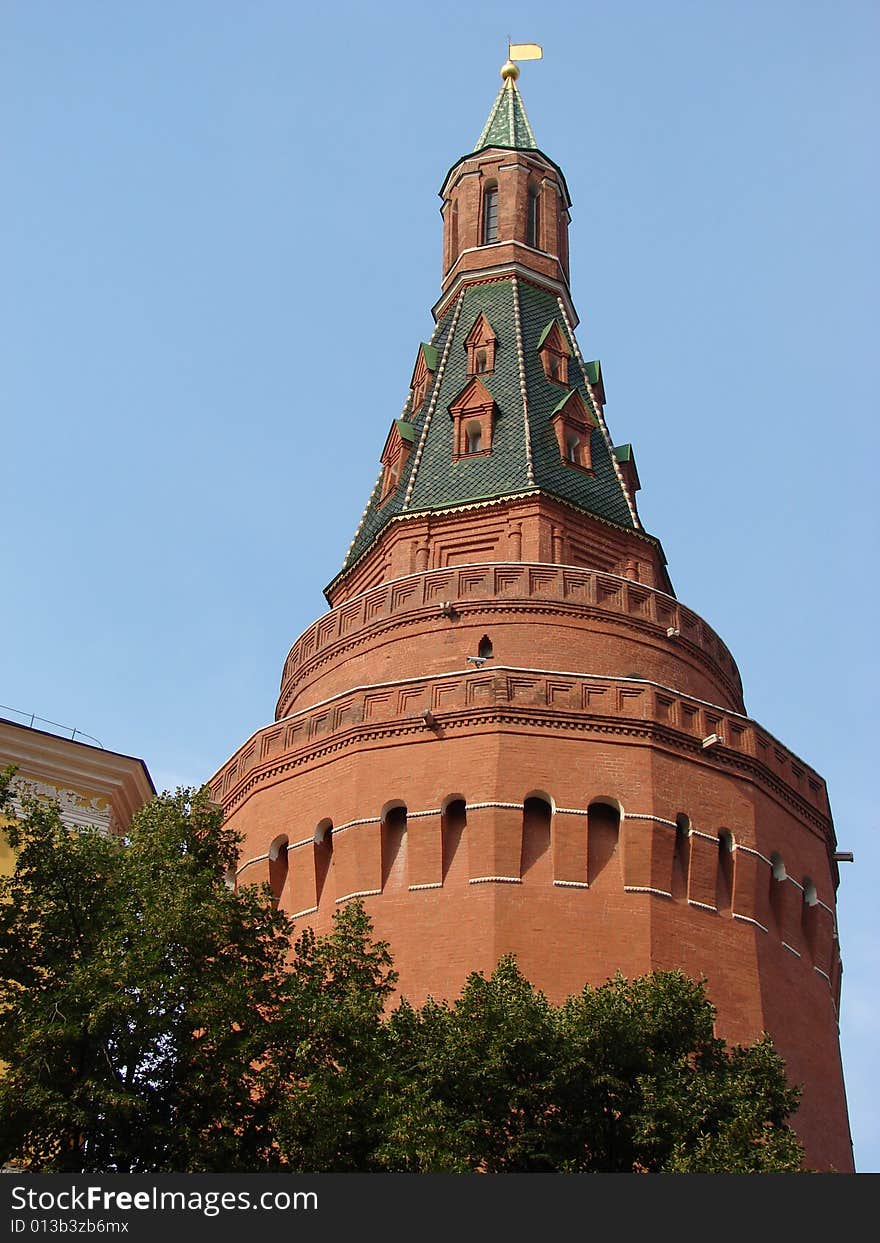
x: 519, y: 51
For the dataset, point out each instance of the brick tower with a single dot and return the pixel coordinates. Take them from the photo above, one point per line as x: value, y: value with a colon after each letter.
x: 507, y: 734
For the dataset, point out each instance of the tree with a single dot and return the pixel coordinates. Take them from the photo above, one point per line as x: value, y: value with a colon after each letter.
x: 137, y: 993
x: 621, y: 1078
x: 153, y: 1020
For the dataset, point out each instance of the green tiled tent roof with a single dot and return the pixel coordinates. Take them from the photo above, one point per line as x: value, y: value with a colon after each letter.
x: 525, y: 453
x: 508, y: 125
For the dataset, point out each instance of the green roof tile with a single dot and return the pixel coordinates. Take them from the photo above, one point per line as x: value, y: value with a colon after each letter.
x: 431, y: 356
x: 439, y: 481
x: 508, y: 125
x: 407, y: 431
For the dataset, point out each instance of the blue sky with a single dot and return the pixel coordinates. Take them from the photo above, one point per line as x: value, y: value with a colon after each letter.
x: 220, y: 244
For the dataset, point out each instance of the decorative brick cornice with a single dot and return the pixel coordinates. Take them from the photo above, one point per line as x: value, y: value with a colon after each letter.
x: 567, y: 589
x: 522, y: 699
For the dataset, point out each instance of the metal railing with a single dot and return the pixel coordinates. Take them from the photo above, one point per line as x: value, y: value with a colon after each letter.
x: 30, y: 719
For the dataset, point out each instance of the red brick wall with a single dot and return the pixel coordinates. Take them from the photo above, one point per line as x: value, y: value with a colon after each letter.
x: 575, y: 901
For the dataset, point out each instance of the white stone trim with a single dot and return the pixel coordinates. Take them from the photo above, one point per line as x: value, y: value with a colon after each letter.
x: 309, y: 910
x: 704, y: 906
x: 498, y: 271
x: 707, y: 837
x: 571, y: 811
x: 359, y: 893
x: 433, y: 811
x: 749, y: 850
x: 505, y: 806
x: 360, y: 525
x: 824, y: 974
x: 251, y: 862
x: 600, y: 419
x: 572, y: 884
x: 435, y: 391
x: 825, y: 905
x: 432, y: 884
x: 353, y: 824
x: 481, y: 141
x: 530, y: 470
x: 303, y: 841
x: 495, y: 880
x: 791, y: 949
x: 662, y: 893
x: 747, y: 919
x: 643, y: 815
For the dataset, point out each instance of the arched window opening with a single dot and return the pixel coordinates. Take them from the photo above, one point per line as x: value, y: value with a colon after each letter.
x: 390, y: 478
x: 573, y: 449
x: 603, y: 832
x: 323, y: 849
x: 278, y: 867
x: 490, y: 213
x: 453, y: 823
x: 482, y: 362
x: 474, y: 437
x: 810, y: 917
x: 533, y: 230
x: 553, y: 367
x: 778, y: 876
x: 484, y: 651
x: 724, y: 881
x: 394, y: 846
x: 535, y: 852
x: 681, y: 860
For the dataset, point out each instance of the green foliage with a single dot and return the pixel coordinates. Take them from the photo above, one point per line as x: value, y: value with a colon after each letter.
x: 155, y: 1020
x: 137, y: 994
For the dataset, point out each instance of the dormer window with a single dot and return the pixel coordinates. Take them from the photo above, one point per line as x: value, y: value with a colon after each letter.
x: 473, y: 437
x: 480, y: 344
x: 554, y: 353
x: 394, y: 457
x: 490, y: 213
x: 573, y: 424
x: 423, y: 373
x: 473, y: 416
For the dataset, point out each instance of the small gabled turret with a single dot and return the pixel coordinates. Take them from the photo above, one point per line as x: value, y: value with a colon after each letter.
x: 506, y: 202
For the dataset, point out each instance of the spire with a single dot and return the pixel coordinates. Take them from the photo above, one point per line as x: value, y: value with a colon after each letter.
x: 508, y: 125
x: 503, y: 413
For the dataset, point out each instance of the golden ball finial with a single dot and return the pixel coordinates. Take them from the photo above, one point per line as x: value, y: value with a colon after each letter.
x: 509, y: 71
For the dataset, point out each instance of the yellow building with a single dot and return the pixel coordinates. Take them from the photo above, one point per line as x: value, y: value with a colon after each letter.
x: 95, y: 788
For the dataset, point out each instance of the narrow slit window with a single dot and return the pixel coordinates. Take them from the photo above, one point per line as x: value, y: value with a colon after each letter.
x: 490, y: 215
x: 474, y: 438
x: 534, y: 220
